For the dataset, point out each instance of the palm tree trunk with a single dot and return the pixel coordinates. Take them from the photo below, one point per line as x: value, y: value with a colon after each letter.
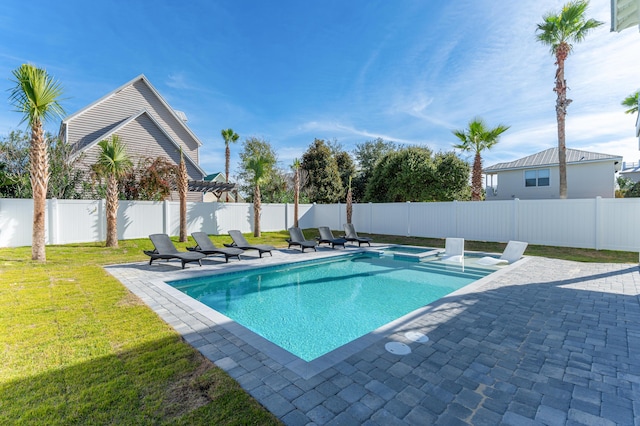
x: 256, y: 211
x: 183, y: 187
x: 296, y: 196
x: 349, y: 204
x: 227, y: 157
x: 476, y: 178
x: 39, y: 169
x: 561, y: 112
x: 112, y: 211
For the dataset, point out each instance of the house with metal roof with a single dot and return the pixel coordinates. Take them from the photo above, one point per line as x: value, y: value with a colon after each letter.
x: 143, y: 120
x: 589, y: 175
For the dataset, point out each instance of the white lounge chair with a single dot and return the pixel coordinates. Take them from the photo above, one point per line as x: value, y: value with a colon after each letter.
x: 512, y: 253
x: 453, y: 250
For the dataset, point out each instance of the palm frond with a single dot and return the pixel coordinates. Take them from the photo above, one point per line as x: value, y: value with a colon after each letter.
x: 35, y: 95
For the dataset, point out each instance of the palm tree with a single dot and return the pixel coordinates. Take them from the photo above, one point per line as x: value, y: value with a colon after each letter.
x: 296, y: 190
x: 113, y: 162
x: 349, y: 202
x: 229, y: 137
x: 631, y: 102
x: 558, y: 31
x: 183, y: 188
x: 259, y: 166
x: 36, y: 96
x: 476, y: 138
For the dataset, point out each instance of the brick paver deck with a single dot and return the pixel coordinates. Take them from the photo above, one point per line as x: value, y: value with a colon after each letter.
x: 542, y: 342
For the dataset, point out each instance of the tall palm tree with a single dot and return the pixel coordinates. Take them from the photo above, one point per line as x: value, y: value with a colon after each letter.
x: 113, y: 162
x: 558, y: 31
x: 631, y: 102
x: 183, y: 187
x: 476, y: 138
x: 36, y: 96
x: 296, y: 190
x: 229, y: 137
x: 349, y: 202
x: 258, y: 166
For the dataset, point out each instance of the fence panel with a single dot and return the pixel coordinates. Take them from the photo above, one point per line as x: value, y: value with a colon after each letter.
x: 619, y: 224
x: 139, y: 219
x: 77, y: 221
x: 16, y: 222
x: 564, y: 223
x: 390, y: 218
x: 589, y: 223
x: 433, y: 220
x: 490, y: 221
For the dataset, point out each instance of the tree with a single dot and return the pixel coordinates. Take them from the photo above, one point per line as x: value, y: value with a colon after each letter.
x: 367, y: 154
x: 259, y: 167
x: 36, y: 95
x: 254, y: 147
x: 411, y: 174
x: 559, y: 31
x: 296, y: 190
x: 631, y: 102
x: 149, y: 180
x: 14, y: 157
x: 476, y: 138
x: 182, y: 182
x: 65, y: 175
x: 324, y: 183
x: 113, y: 162
x: 229, y: 137
x: 346, y: 167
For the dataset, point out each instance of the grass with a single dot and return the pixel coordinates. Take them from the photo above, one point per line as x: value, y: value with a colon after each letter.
x: 78, y: 348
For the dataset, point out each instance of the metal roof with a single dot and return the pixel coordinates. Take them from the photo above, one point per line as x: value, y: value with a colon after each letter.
x: 549, y: 157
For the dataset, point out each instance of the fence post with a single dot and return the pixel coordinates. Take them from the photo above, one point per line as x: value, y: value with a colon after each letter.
x: 455, y: 218
x: 598, y: 225
x: 516, y: 218
x: 286, y: 216
x: 339, y: 214
x: 370, y: 217
x: 102, y: 219
x: 166, y: 216
x: 408, y: 203
x: 52, y: 207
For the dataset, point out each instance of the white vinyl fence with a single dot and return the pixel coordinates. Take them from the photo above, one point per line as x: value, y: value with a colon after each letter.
x: 600, y: 223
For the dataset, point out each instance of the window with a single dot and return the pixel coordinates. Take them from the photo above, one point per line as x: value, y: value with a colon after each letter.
x: 536, y: 177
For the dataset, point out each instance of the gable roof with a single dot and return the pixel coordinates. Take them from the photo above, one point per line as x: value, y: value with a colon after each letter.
x: 144, y: 79
x: 122, y: 125
x: 549, y: 157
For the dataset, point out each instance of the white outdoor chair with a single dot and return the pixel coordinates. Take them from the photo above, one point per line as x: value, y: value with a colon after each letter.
x: 453, y: 250
x: 512, y: 253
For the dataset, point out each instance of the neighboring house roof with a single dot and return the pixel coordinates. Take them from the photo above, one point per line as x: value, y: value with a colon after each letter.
x: 126, y: 107
x: 549, y: 157
x: 179, y: 115
x: 123, y: 124
x: 219, y: 177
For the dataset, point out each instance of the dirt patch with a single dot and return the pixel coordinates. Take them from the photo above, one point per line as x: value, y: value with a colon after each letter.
x: 190, y: 392
x: 129, y: 300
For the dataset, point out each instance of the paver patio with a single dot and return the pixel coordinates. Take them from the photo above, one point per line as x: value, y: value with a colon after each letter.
x: 543, y: 341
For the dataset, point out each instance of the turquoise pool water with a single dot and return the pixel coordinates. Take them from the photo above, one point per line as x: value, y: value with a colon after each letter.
x: 314, y: 307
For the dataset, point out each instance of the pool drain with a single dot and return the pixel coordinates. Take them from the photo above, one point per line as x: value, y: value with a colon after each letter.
x: 415, y: 336
x: 397, y: 348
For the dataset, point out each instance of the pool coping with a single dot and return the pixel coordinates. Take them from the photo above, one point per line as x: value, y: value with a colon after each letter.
x: 304, y: 369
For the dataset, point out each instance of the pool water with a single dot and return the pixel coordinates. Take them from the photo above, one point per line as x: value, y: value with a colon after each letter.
x: 313, y: 307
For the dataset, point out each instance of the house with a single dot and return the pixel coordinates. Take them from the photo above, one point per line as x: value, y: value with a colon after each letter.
x: 234, y: 196
x: 147, y: 125
x: 589, y: 175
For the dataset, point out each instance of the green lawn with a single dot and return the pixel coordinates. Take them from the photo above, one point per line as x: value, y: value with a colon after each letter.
x: 77, y: 347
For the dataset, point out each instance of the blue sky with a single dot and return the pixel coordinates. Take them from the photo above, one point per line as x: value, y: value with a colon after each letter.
x: 291, y: 71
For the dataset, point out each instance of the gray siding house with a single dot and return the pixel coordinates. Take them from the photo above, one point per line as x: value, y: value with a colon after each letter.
x: 589, y: 175
x: 143, y: 120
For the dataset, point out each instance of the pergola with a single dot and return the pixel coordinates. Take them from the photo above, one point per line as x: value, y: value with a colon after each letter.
x: 216, y: 188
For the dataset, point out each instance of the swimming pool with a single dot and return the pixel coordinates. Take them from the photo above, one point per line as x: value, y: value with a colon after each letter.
x: 313, y: 307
